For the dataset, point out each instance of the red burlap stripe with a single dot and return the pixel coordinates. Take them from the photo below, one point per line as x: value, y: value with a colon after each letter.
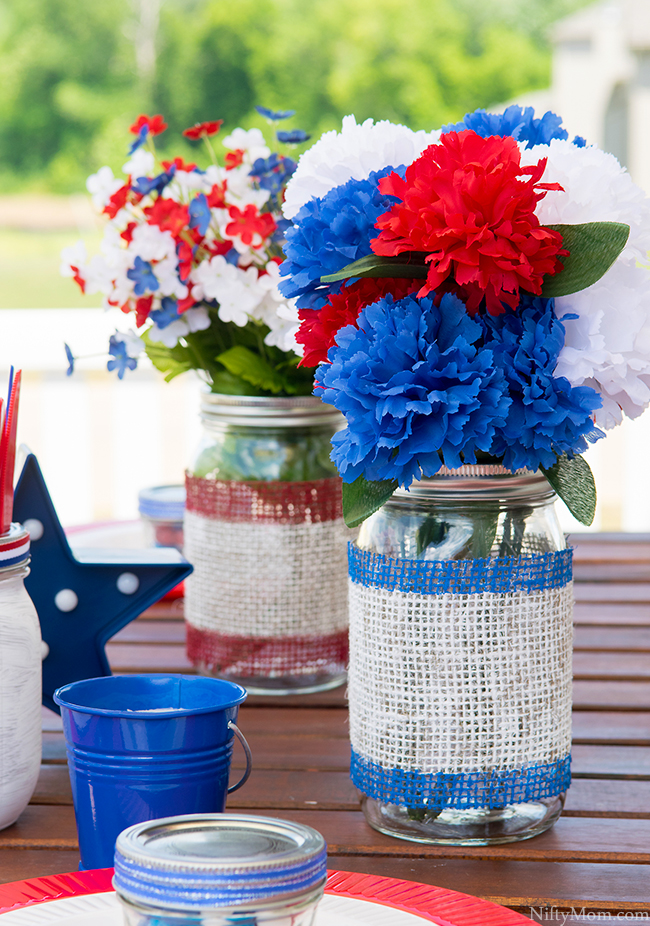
x: 279, y: 502
x: 267, y: 656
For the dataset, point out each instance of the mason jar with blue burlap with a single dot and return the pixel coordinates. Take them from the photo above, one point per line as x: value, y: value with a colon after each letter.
x: 460, y: 659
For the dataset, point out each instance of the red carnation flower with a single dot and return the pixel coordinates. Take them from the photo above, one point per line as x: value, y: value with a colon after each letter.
x: 203, y: 129
x: 470, y: 206
x: 179, y: 164
x: 320, y: 326
x: 155, y: 124
x: 168, y: 215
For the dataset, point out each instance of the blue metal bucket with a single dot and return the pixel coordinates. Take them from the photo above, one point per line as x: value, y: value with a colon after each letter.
x: 141, y: 747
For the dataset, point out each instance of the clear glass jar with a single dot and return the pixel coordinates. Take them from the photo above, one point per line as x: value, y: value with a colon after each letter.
x: 460, y: 660
x: 161, y: 510
x: 20, y: 679
x: 266, y: 605
x: 220, y: 870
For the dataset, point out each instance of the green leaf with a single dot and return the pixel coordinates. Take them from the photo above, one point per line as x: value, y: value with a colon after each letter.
x: 171, y: 361
x: 362, y: 498
x: 240, y: 361
x: 372, y: 265
x: 593, y: 249
x: 226, y: 383
x: 573, y: 481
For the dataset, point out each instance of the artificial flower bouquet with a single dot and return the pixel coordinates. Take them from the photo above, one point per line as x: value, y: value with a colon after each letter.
x: 192, y: 256
x: 477, y: 294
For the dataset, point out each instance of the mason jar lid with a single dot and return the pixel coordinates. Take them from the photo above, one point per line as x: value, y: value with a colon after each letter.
x: 268, y: 411
x: 218, y: 860
x: 14, y: 546
x: 163, y: 503
x: 489, y: 482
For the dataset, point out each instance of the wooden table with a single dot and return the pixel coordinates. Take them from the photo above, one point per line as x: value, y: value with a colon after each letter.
x: 595, y: 859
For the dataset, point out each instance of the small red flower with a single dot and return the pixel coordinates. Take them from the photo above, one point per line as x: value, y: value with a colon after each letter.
x: 250, y: 225
x: 118, y: 200
x: 142, y: 309
x: 127, y: 234
x: 185, y: 250
x: 168, y: 215
x: 77, y: 277
x: 469, y: 205
x: 216, y: 196
x: 203, y: 129
x: 184, y: 304
x: 320, y: 326
x: 179, y: 164
x: 234, y: 158
x: 155, y: 124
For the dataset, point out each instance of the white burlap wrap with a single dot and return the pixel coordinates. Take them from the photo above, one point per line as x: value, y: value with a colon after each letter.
x: 264, y: 579
x: 456, y: 683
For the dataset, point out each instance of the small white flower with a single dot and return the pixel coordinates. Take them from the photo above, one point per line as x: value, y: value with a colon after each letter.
x: 73, y: 256
x: 251, y: 141
x: 150, y: 243
x: 284, y: 324
x: 167, y: 276
x: 140, y: 164
x: 197, y: 318
x: 101, y: 186
x: 170, y: 334
x: 133, y: 344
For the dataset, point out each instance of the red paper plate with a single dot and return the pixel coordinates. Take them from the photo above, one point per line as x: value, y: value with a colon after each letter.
x: 437, y: 904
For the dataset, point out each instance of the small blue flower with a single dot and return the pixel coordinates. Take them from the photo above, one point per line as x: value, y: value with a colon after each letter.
x: 514, y: 121
x: 292, y: 137
x: 548, y: 416
x: 71, y: 359
x: 273, y: 172
x: 143, y: 276
x: 121, y: 360
x: 417, y: 388
x: 166, y: 314
x: 275, y: 115
x: 232, y: 257
x: 140, y: 139
x: 146, y: 185
x: 329, y: 233
x: 200, y: 215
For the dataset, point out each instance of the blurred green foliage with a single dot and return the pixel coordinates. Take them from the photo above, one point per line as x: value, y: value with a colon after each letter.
x: 75, y: 74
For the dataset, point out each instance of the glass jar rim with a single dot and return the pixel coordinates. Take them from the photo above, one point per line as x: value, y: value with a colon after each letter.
x: 479, y: 482
x: 219, y: 409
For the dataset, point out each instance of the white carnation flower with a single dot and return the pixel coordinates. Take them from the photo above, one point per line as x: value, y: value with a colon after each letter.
x: 352, y: 154
x: 607, y: 347
x: 101, y: 186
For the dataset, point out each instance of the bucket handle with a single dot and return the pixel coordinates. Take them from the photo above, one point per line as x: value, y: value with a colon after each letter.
x: 249, y: 759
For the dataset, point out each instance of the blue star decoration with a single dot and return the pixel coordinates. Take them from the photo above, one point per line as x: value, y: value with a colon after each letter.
x: 83, y: 600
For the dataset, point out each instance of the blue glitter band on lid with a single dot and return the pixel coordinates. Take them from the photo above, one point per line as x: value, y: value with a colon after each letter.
x: 461, y: 577
x: 465, y: 790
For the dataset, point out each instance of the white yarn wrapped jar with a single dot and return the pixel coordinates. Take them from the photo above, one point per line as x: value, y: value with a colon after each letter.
x: 266, y: 605
x: 20, y: 679
x: 460, y: 659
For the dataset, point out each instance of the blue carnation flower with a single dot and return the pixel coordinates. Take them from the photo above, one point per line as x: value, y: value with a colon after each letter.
x: 548, y: 416
x: 329, y: 233
x: 121, y: 360
x: 416, y: 387
x: 514, y: 121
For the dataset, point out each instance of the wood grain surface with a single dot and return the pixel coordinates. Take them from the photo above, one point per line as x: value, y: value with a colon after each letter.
x: 596, y: 859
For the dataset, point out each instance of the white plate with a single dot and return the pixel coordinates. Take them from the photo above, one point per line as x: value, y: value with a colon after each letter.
x: 104, y: 910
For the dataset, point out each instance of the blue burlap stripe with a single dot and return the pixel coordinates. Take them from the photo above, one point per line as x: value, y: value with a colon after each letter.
x: 461, y: 577
x: 465, y: 790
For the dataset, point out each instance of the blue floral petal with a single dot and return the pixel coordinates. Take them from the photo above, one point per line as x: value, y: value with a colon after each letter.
x: 121, y: 360
x: 70, y: 357
x: 140, y: 139
x: 143, y: 276
x: 166, y: 314
x: 200, y: 214
x: 275, y: 115
x: 514, y: 121
x: 293, y: 137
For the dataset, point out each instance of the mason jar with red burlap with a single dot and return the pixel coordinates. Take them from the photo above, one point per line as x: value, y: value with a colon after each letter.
x: 266, y: 605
